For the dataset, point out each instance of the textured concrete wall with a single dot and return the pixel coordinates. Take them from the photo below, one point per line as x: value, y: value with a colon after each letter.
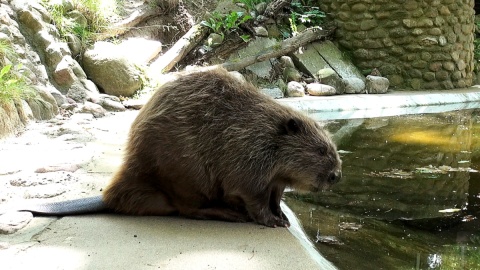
x: 416, y: 44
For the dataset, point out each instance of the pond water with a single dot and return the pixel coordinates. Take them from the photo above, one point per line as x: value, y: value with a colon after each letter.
x: 409, y: 197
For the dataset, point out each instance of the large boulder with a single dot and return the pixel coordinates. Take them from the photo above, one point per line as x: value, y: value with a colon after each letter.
x: 108, y: 67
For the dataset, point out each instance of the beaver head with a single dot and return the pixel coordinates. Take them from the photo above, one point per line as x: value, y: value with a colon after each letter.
x: 308, y: 157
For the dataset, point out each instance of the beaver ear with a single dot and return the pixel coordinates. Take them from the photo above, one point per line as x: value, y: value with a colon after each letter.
x: 290, y: 127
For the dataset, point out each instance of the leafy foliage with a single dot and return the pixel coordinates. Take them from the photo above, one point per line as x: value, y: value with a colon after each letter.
x: 96, y: 12
x: 304, y: 12
x: 6, y: 51
x: 226, y: 24
x: 13, y: 87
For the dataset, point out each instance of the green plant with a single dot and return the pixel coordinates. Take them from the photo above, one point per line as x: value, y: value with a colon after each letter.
x: 226, y: 24
x: 304, y: 12
x: 293, y: 24
x: 13, y: 87
x: 96, y: 12
x: 6, y: 51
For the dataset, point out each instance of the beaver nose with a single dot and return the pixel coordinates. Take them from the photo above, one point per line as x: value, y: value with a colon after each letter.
x: 334, y: 177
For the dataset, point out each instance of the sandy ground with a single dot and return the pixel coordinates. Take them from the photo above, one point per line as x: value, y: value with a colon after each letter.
x: 72, y: 158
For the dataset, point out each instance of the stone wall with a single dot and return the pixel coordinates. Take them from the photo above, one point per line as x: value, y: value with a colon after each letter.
x: 416, y: 44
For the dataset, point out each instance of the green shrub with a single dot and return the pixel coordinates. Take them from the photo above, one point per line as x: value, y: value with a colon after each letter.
x: 304, y: 12
x: 13, y: 87
x: 96, y: 12
x: 226, y: 24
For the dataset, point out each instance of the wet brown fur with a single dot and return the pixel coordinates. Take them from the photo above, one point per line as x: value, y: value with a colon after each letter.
x: 209, y: 146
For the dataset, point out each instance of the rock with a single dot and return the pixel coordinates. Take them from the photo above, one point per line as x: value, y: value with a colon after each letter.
x: 110, y: 70
x: 59, y: 97
x: 55, y: 52
x: 74, y: 44
x: 69, y: 106
x: 317, y: 89
x: 376, y: 85
x: 90, y: 86
x: 11, y: 222
x: 260, y: 31
x: 238, y: 75
x: 30, y: 19
x: 281, y: 84
x: 295, y: 89
x: 214, y: 40
x: 27, y: 111
x: 46, y: 95
x: 325, y: 73
x: 329, y: 77
x: 111, y: 105
x: 354, y: 85
x: 41, y: 109
x: 77, y: 92
x: 286, y: 61
x: 273, y: 92
x: 63, y: 74
x: 135, y: 104
x: 96, y: 110
x: 291, y: 74
x: 56, y: 168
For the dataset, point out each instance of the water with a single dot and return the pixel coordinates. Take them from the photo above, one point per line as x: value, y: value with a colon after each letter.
x: 409, y: 197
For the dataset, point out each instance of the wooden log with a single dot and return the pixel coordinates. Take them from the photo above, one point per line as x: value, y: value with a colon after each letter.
x: 182, y: 47
x: 123, y: 26
x: 283, y: 48
x: 275, y: 6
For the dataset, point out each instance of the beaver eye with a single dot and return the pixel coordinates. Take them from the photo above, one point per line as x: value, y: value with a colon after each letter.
x: 322, y: 150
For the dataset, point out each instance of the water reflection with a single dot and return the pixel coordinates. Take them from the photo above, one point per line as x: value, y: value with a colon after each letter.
x: 411, y: 187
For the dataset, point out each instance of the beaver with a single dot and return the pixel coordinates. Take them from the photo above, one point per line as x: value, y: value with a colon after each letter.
x: 210, y: 146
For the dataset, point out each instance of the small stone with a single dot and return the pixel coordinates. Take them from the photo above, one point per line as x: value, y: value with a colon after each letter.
x: 112, y: 105
x: 376, y: 84
x: 60, y: 167
x: 96, y: 110
x: 260, y: 31
x: 295, y: 89
x: 291, y: 74
x: 59, y: 97
x: 135, y: 104
x: 318, y: 89
x: 353, y: 85
x: 325, y: 72
x: 214, y: 40
x: 286, y: 61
